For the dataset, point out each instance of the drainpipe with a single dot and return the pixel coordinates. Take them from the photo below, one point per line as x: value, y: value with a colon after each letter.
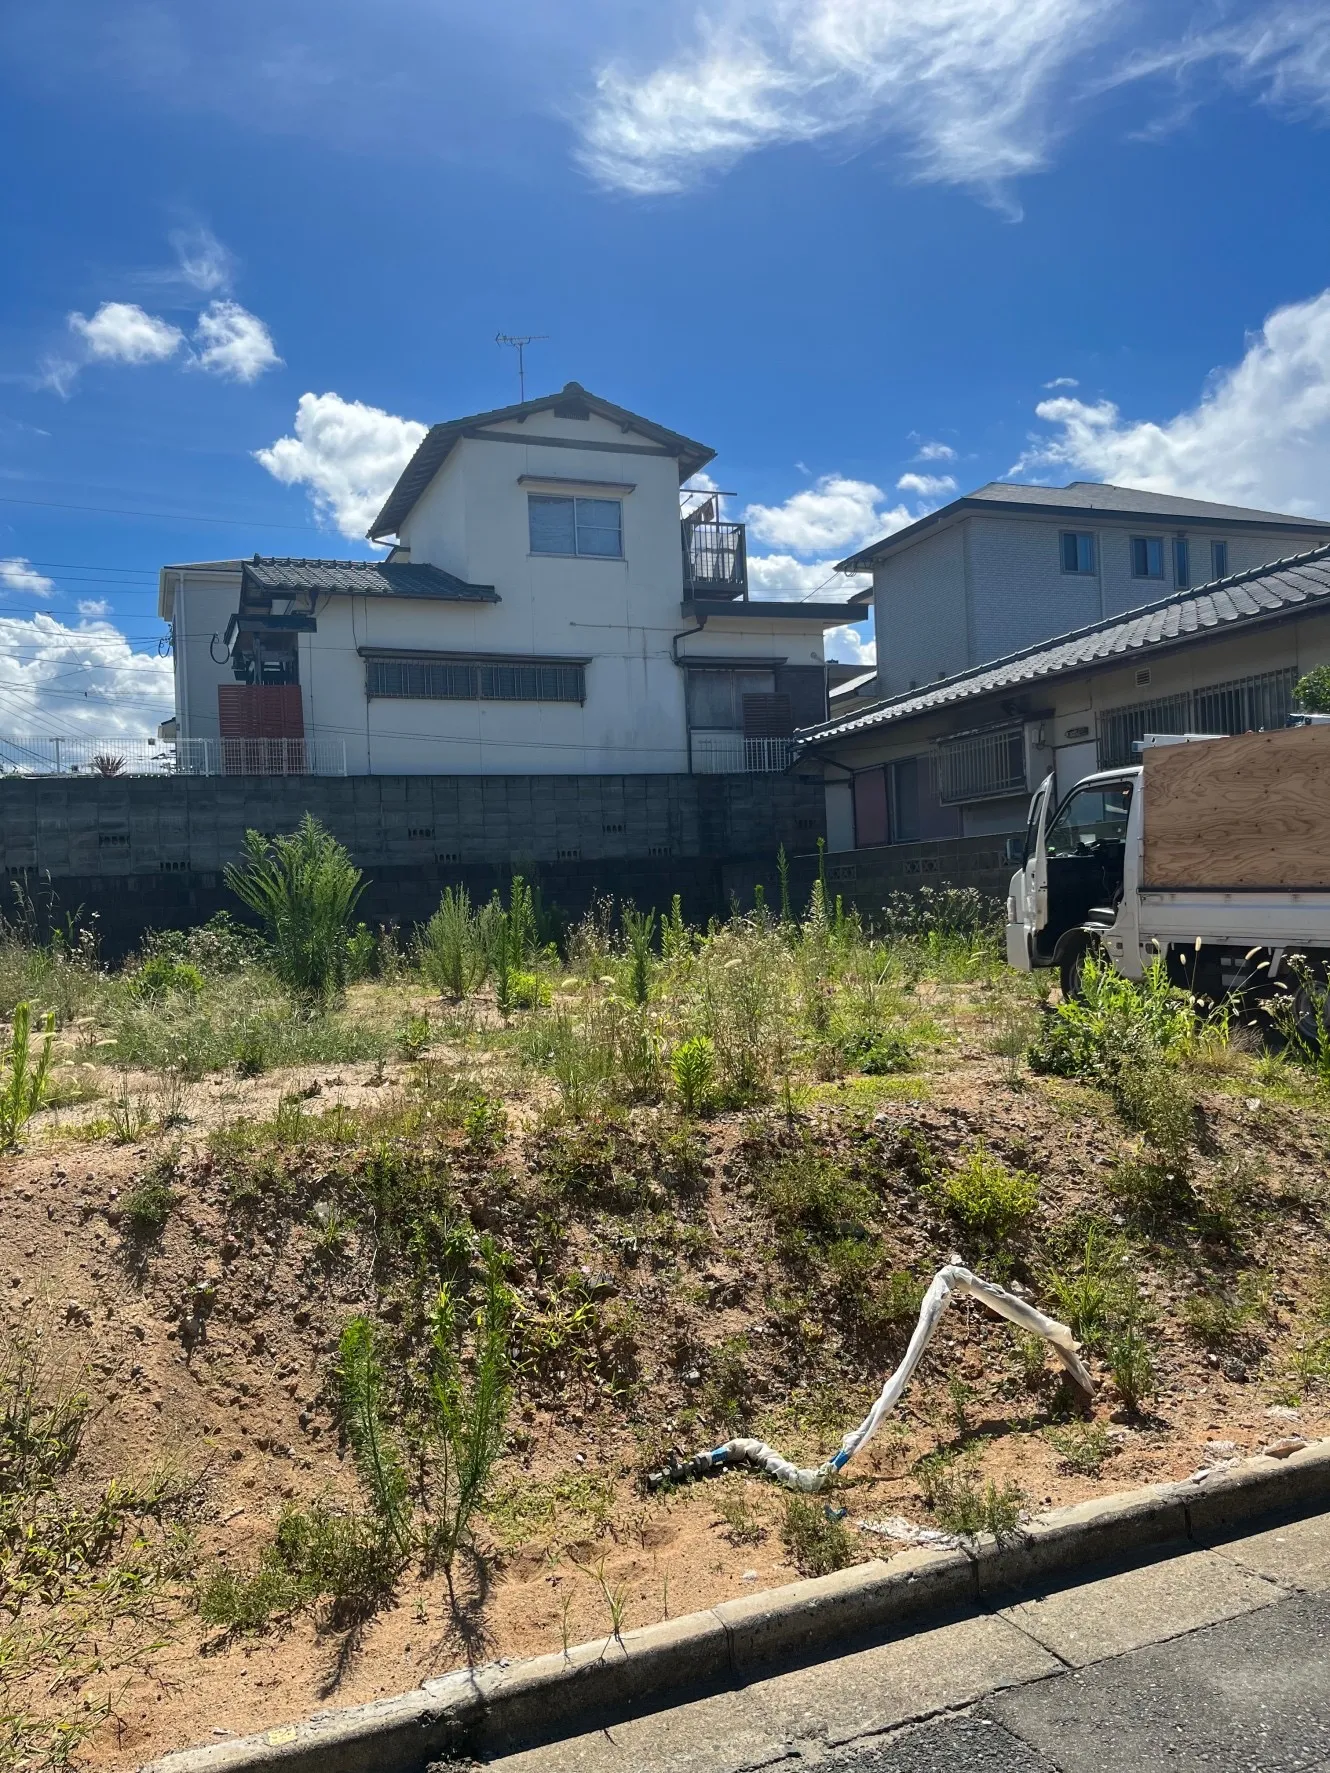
x: 674, y: 654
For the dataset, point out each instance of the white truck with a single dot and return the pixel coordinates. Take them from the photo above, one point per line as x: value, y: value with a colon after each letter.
x: 1212, y: 852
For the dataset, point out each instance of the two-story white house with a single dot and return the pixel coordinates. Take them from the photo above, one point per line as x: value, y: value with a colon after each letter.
x: 1009, y: 566
x: 554, y: 601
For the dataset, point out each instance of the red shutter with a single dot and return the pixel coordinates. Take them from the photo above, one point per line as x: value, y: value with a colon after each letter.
x: 260, y: 711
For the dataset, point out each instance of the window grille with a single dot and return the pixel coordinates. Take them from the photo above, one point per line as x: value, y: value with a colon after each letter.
x: 1244, y: 705
x: 981, y: 766
x: 475, y: 680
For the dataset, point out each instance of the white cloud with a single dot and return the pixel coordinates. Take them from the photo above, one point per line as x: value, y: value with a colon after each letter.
x: 233, y: 343
x: 203, y: 261
x: 121, y: 332
x: 1063, y: 382
x: 1259, y: 434
x: 835, y: 512
x: 926, y: 486
x: 347, y: 454
x: 967, y: 85
x: 93, y: 609
x: 19, y: 575
x: 77, y: 681
x: 935, y: 452
x: 1280, y: 52
x: 852, y: 646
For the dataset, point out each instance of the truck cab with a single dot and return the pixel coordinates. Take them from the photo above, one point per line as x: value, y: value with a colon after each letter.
x: 1076, y: 888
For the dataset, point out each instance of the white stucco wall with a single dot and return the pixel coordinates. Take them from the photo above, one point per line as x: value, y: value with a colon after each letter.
x: 621, y: 616
x: 202, y: 603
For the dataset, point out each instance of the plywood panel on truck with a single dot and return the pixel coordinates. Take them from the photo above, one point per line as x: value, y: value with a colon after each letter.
x: 1249, y: 812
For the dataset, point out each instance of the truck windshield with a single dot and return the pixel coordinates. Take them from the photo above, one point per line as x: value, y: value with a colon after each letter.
x: 1088, y: 818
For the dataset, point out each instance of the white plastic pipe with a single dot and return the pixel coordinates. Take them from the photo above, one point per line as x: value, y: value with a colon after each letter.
x: 946, y: 1284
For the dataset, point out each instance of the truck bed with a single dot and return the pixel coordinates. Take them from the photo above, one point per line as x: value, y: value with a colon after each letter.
x: 1241, y: 816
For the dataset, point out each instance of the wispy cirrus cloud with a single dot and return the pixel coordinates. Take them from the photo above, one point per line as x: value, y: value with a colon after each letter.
x: 974, y: 93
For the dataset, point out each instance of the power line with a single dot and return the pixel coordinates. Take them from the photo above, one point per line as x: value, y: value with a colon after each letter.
x: 168, y: 516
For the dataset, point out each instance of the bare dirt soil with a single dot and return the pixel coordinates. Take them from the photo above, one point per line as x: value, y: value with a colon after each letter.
x: 210, y: 1345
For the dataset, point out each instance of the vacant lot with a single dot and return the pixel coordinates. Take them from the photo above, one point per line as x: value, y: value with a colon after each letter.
x: 341, y: 1318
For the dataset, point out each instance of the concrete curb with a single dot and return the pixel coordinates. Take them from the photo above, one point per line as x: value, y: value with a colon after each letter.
x: 503, y: 1705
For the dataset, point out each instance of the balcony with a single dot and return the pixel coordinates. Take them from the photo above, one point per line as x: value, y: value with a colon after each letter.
x: 731, y: 754
x: 715, y: 559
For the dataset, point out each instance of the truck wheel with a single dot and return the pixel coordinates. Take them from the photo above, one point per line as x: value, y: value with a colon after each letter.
x: 1071, y: 968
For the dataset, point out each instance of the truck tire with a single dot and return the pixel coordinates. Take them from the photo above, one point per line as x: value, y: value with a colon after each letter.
x: 1071, y: 965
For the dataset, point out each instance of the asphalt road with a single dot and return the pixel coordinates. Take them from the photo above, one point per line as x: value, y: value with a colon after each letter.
x: 1251, y: 1695
x: 1210, y: 1659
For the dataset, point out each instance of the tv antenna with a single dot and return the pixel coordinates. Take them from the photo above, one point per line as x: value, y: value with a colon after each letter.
x: 519, y: 344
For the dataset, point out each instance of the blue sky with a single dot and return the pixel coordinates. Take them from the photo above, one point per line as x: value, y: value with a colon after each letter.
x: 866, y: 249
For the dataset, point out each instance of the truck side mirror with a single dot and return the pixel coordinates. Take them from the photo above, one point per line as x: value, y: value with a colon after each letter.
x: 1016, y: 850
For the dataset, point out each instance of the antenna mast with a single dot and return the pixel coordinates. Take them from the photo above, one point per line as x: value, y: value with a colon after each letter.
x: 519, y: 344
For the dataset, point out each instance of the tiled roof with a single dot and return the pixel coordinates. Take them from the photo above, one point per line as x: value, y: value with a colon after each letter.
x: 1280, y: 589
x: 439, y: 440
x: 373, y: 578
x: 1087, y: 498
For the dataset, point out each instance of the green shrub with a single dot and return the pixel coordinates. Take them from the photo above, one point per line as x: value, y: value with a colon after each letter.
x: 880, y: 1052
x: 413, y: 1037
x: 639, y: 929
x: 149, y: 1203
x: 816, y: 1541
x: 160, y: 975
x: 728, y: 1388
x: 305, y: 888
x: 317, y: 1555
x: 1115, y: 1023
x: 23, y: 1078
x: 953, y: 1493
x: 1128, y: 1353
x: 692, y: 1066
x: 468, y: 1408
x: 1311, y: 692
x: 987, y: 1200
x: 453, y: 948
x: 1220, y: 1318
x: 1089, y: 1295
x: 1082, y: 1447
x: 809, y: 1195
x: 528, y: 991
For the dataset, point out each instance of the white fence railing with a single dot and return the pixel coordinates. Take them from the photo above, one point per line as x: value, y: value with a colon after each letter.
x: 730, y: 754
x: 114, y: 758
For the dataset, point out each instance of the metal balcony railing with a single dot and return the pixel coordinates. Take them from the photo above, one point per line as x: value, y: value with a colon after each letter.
x: 715, y: 559
x: 112, y: 759
x: 731, y: 754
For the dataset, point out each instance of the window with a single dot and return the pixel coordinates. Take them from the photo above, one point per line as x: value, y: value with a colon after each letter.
x: 1147, y: 557
x: 1219, y: 560
x: 1077, y: 551
x: 982, y: 766
x: 716, y: 698
x: 1088, y: 818
x: 576, y: 526
x: 1181, y: 562
x: 1240, y: 705
x: 475, y: 680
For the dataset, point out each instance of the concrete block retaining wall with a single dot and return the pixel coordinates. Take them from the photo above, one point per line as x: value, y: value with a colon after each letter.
x: 141, y: 852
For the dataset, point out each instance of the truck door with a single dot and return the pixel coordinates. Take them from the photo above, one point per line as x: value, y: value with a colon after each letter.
x: 1023, y: 915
